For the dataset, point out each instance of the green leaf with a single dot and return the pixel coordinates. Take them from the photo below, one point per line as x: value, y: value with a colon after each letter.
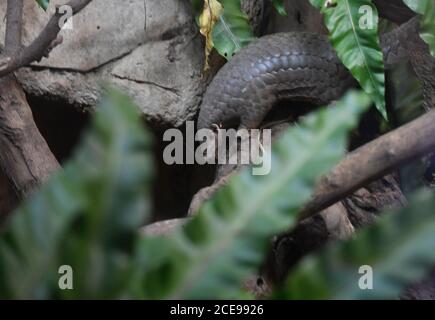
x: 43, y: 3
x: 279, y: 6
x: 357, y: 45
x: 427, y: 9
x: 399, y: 249
x: 86, y: 216
x: 226, y: 241
x: 232, y: 32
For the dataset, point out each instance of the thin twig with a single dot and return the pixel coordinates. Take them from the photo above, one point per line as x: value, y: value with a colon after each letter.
x: 38, y: 48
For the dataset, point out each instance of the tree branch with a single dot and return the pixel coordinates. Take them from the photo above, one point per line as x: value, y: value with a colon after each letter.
x: 164, y: 228
x: 14, y: 25
x: 372, y: 161
x: 25, y: 157
x: 360, y: 167
x: 37, y: 49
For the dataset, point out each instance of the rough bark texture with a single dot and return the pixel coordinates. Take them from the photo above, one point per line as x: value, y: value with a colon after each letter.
x: 301, y: 16
x: 421, y: 290
x: 25, y: 157
x: 8, y: 199
x: 394, y: 10
x: 256, y: 11
x: 422, y: 62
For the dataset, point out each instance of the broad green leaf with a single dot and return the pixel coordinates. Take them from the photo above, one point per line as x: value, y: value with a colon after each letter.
x: 86, y: 216
x: 211, y: 256
x: 399, y: 249
x: 353, y: 29
x: 427, y: 9
x: 232, y: 32
x: 43, y: 3
x: 279, y: 6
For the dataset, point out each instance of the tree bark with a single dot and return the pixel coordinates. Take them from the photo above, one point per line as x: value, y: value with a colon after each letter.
x: 374, y: 160
x: 394, y: 10
x: 25, y: 157
x: 8, y: 199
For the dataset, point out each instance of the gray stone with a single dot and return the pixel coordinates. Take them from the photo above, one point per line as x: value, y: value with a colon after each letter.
x: 150, y: 49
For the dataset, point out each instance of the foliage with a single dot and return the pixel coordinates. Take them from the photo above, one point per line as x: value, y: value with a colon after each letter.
x: 88, y: 215
x: 226, y: 27
x: 227, y: 240
x: 232, y: 32
x: 279, y: 6
x: 85, y: 217
x: 399, y: 249
x: 356, y: 42
x: 426, y: 8
x: 43, y: 3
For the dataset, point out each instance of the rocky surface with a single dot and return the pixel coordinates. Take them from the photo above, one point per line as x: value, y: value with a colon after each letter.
x: 147, y: 48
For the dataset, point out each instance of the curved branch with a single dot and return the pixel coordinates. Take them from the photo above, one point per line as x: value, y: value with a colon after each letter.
x: 372, y: 161
x: 37, y: 49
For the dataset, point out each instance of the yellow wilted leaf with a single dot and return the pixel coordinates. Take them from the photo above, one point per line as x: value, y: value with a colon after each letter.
x: 208, y: 18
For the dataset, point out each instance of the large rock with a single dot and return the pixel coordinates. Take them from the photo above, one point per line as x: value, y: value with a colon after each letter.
x: 151, y: 49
